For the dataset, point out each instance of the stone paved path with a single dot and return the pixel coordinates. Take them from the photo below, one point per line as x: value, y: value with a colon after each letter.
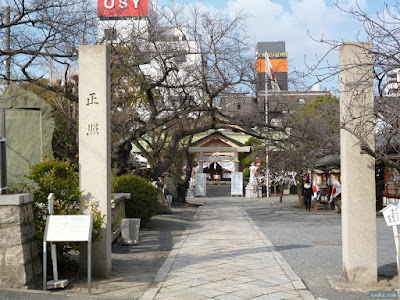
x: 226, y: 256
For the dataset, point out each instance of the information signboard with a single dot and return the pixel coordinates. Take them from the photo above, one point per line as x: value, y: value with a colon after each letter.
x: 201, y: 183
x: 68, y: 228
x: 391, y: 214
x: 236, y: 184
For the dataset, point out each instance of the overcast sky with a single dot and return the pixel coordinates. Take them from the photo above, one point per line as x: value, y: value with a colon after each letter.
x: 293, y: 21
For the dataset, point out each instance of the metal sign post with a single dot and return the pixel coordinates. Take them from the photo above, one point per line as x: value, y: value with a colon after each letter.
x: 55, y: 283
x: 68, y: 228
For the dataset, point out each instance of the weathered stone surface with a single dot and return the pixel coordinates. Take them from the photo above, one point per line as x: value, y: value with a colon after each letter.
x: 95, y: 144
x: 19, y: 258
x: 14, y: 256
x: 170, y: 186
x: 2, y: 274
x: 15, y: 199
x: 357, y: 169
x: 27, y: 252
x: 10, y: 236
x: 28, y: 232
x: 14, y: 276
x: 29, y: 127
x: 30, y: 214
x: 9, y: 215
x: 34, y: 249
x: 2, y: 254
x: 37, y: 267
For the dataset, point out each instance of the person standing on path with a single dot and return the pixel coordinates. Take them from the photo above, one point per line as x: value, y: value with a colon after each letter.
x: 307, y: 192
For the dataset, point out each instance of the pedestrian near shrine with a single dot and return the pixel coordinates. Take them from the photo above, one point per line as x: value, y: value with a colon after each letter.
x: 307, y: 192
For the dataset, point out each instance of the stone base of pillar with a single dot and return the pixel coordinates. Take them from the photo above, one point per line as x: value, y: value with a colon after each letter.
x: 252, y: 191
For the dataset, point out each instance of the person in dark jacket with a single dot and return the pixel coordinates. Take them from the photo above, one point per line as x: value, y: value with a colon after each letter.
x: 307, y: 193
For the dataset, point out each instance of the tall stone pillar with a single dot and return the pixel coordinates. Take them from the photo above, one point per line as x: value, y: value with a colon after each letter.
x: 357, y: 169
x: 95, y: 146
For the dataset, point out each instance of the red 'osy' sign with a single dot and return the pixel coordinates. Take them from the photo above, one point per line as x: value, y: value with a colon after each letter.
x: 122, y: 8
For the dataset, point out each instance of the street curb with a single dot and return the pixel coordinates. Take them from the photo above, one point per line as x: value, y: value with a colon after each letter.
x: 294, y: 278
x: 159, y: 279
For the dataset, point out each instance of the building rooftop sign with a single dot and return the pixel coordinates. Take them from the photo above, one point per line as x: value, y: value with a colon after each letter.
x: 272, y: 55
x: 123, y: 8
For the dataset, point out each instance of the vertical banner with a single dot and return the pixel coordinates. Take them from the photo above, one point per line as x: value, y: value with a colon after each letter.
x: 201, y: 183
x: 236, y: 184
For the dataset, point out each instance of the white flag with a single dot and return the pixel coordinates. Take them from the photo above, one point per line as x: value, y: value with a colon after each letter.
x: 336, y: 189
x: 270, y: 74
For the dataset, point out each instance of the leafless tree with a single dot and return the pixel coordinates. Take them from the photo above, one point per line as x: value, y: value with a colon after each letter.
x: 171, y: 76
x: 382, y: 29
x: 40, y: 39
x: 311, y: 131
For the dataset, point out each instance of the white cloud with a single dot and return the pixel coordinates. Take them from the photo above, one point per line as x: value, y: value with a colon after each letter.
x: 297, y: 22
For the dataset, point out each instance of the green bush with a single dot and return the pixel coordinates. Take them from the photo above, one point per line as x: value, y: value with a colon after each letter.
x: 246, y: 161
x: 246, y: 172
x: 60, y: 178
x: 143, y: 203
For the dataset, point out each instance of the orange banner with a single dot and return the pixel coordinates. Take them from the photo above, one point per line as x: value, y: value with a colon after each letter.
x: 279, y: 65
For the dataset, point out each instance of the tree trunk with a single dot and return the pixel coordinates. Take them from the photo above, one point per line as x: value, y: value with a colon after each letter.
x: 120, y: 157
x: 281, y: 188
x: 182, y: 188
x: 300, y: 191
x: 163, y: 204
x: 380, y: 186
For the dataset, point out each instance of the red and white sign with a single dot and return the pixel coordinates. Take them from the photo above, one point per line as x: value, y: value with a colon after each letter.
x: 123, y: 8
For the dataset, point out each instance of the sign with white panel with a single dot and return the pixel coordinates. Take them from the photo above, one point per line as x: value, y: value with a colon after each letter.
x: 201, y: 184
x: 237, y: 184
x: 69, y: 228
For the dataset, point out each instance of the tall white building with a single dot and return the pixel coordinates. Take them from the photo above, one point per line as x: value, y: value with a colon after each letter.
x: 135, y: 22
x: 392, y: 83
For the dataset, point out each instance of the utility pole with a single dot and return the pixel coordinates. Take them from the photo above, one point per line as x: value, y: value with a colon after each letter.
x: 8, y: 46
x: 266, y: 121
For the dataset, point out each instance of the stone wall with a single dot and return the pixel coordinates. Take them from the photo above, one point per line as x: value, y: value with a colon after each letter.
x: 20, y: 264
x: 118, y: 213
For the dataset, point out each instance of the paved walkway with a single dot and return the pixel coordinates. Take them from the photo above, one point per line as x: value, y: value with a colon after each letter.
x: 224, y: 255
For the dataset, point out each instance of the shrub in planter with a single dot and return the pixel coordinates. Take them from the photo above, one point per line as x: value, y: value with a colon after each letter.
x: 58, y: 177
x: 143, y: 203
